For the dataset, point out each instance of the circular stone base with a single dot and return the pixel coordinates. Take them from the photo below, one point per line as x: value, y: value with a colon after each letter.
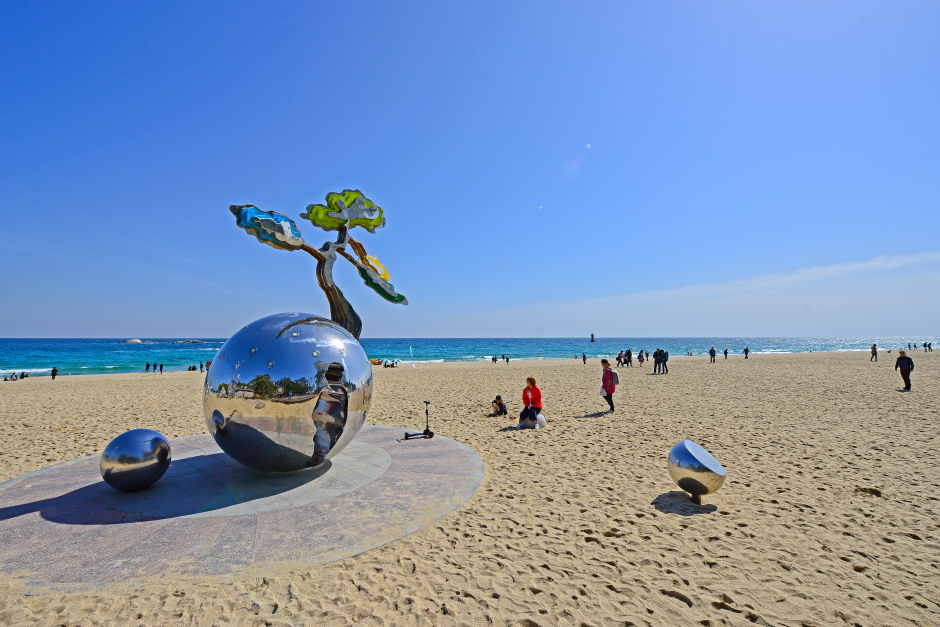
x: 209, y: 514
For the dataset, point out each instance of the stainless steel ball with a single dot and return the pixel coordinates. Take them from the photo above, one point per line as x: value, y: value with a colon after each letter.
x: 694, y: 469
x: 287, y: 392
x: 135, y: 460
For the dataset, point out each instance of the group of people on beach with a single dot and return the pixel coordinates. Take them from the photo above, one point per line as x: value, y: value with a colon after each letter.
x: 503, y: 358
x: 147, y: 368
x: 903, y: 364
x: 25, y: 375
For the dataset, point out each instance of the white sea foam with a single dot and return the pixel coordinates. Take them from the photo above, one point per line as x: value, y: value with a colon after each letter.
x: 27, y: 370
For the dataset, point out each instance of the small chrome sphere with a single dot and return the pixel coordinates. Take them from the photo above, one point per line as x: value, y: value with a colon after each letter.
x: 135, y: 460
x: 694, y: 469
x: 287, y: 392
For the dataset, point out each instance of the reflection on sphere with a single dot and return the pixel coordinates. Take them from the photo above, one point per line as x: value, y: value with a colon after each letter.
x: 287, y: 392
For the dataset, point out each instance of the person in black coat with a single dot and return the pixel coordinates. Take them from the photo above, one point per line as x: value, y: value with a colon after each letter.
x: 905, y: 364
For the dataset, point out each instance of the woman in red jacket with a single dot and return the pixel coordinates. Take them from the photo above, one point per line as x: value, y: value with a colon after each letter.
x: 532, y: 399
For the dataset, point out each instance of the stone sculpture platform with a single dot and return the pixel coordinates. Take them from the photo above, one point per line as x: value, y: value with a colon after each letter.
x: 211, y: 515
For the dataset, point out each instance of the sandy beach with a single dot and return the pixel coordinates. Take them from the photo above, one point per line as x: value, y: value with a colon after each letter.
x: 829, y: 514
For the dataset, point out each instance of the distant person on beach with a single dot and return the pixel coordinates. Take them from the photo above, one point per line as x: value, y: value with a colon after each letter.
x: 663, y: 358
x: 647, y: 355
x: 200, y: 366
x: 746, y: 351
x: 507, y: 360
x: 592, y: 337
x: 874, y: 353
x: 726, y: 353
x: 908, y: 346
x: 905, y: 364
x: 161, y: 367
x: 147, y: 367
x: 607, y: 385
x: 620, y: 358
x: 532, y: 399
x: 499, y: 407
x: 629, y: 358
x: 640, y: 358
x: 930, y: 346
x: 657, y: 363
x: 711, y: 353
x: 925, y: 347
x: 584, y: 357
x: 55, y: 372
x: 13, y: 377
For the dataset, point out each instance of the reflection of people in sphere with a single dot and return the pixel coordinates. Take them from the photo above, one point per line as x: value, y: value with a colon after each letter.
x: 329, y: 416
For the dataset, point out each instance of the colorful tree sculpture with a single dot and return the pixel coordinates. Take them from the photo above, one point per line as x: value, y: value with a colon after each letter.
x: 342, y: 212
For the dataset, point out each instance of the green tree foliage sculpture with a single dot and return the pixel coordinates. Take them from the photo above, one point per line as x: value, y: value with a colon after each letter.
x: 342, y: 212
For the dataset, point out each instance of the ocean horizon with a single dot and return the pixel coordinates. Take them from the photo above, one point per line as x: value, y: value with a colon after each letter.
x: 75, y: 356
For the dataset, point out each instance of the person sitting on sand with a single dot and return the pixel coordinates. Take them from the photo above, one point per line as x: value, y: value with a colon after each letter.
x: 532, y: 399
x: 499, y: 407
x: 13, y: 377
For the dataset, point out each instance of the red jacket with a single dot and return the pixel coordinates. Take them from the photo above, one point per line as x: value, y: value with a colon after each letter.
x: 532, y: 398
x: 608, y: 381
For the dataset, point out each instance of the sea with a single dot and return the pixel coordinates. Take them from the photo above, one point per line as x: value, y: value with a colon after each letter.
x: 102, y: 356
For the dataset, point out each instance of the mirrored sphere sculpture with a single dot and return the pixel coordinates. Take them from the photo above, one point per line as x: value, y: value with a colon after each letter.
x: 135, y: 460
x: 694, y: 469
x: 287, y: 392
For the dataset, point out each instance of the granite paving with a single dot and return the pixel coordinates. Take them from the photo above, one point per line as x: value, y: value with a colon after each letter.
x: 210, y: 515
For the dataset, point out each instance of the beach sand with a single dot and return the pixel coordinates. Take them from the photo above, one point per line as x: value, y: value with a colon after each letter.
x: 829, y: 514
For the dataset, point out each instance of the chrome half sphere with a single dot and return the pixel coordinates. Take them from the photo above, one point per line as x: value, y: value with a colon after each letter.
x: 135, y: 460
x: 694, y: 469
x: 287, y: 392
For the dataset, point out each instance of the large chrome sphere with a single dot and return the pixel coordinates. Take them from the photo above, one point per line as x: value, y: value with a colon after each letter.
x: 134, y: 460
x: 694, y: 469
x: 287, y: 392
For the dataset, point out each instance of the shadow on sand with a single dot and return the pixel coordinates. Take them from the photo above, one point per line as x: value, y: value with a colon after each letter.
x: 678, y: 502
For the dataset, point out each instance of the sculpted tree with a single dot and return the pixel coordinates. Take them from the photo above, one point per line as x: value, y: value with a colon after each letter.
x: 342, y: 212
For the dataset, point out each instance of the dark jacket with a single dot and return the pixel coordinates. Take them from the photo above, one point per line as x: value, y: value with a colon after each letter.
x: 904, y: 363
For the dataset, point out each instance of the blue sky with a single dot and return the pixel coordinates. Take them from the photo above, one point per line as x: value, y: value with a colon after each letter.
x: 555, y: 169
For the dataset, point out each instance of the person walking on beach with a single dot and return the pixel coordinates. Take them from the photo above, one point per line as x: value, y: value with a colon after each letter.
x: 629, y: 358
x: 620, y: 357
x: 161, y: 367
x: 532, y: 399
x: 711, y: 354
x: 647, y: 355
x: 607, y: 385
x: 55, y: 372
x: 925, y: 347
x: 874, y: 353
x: 908, y: 346
x: 639, y: 358
x: 663, y: 358
x: 905, y: 364
x: 147, y: 367
x: 584, y: 357
x: 746, y: 351
x: 726, y: 353
x: 200, y: 366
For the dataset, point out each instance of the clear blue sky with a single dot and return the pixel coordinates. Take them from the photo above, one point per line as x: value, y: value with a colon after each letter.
x: 765, y: 168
